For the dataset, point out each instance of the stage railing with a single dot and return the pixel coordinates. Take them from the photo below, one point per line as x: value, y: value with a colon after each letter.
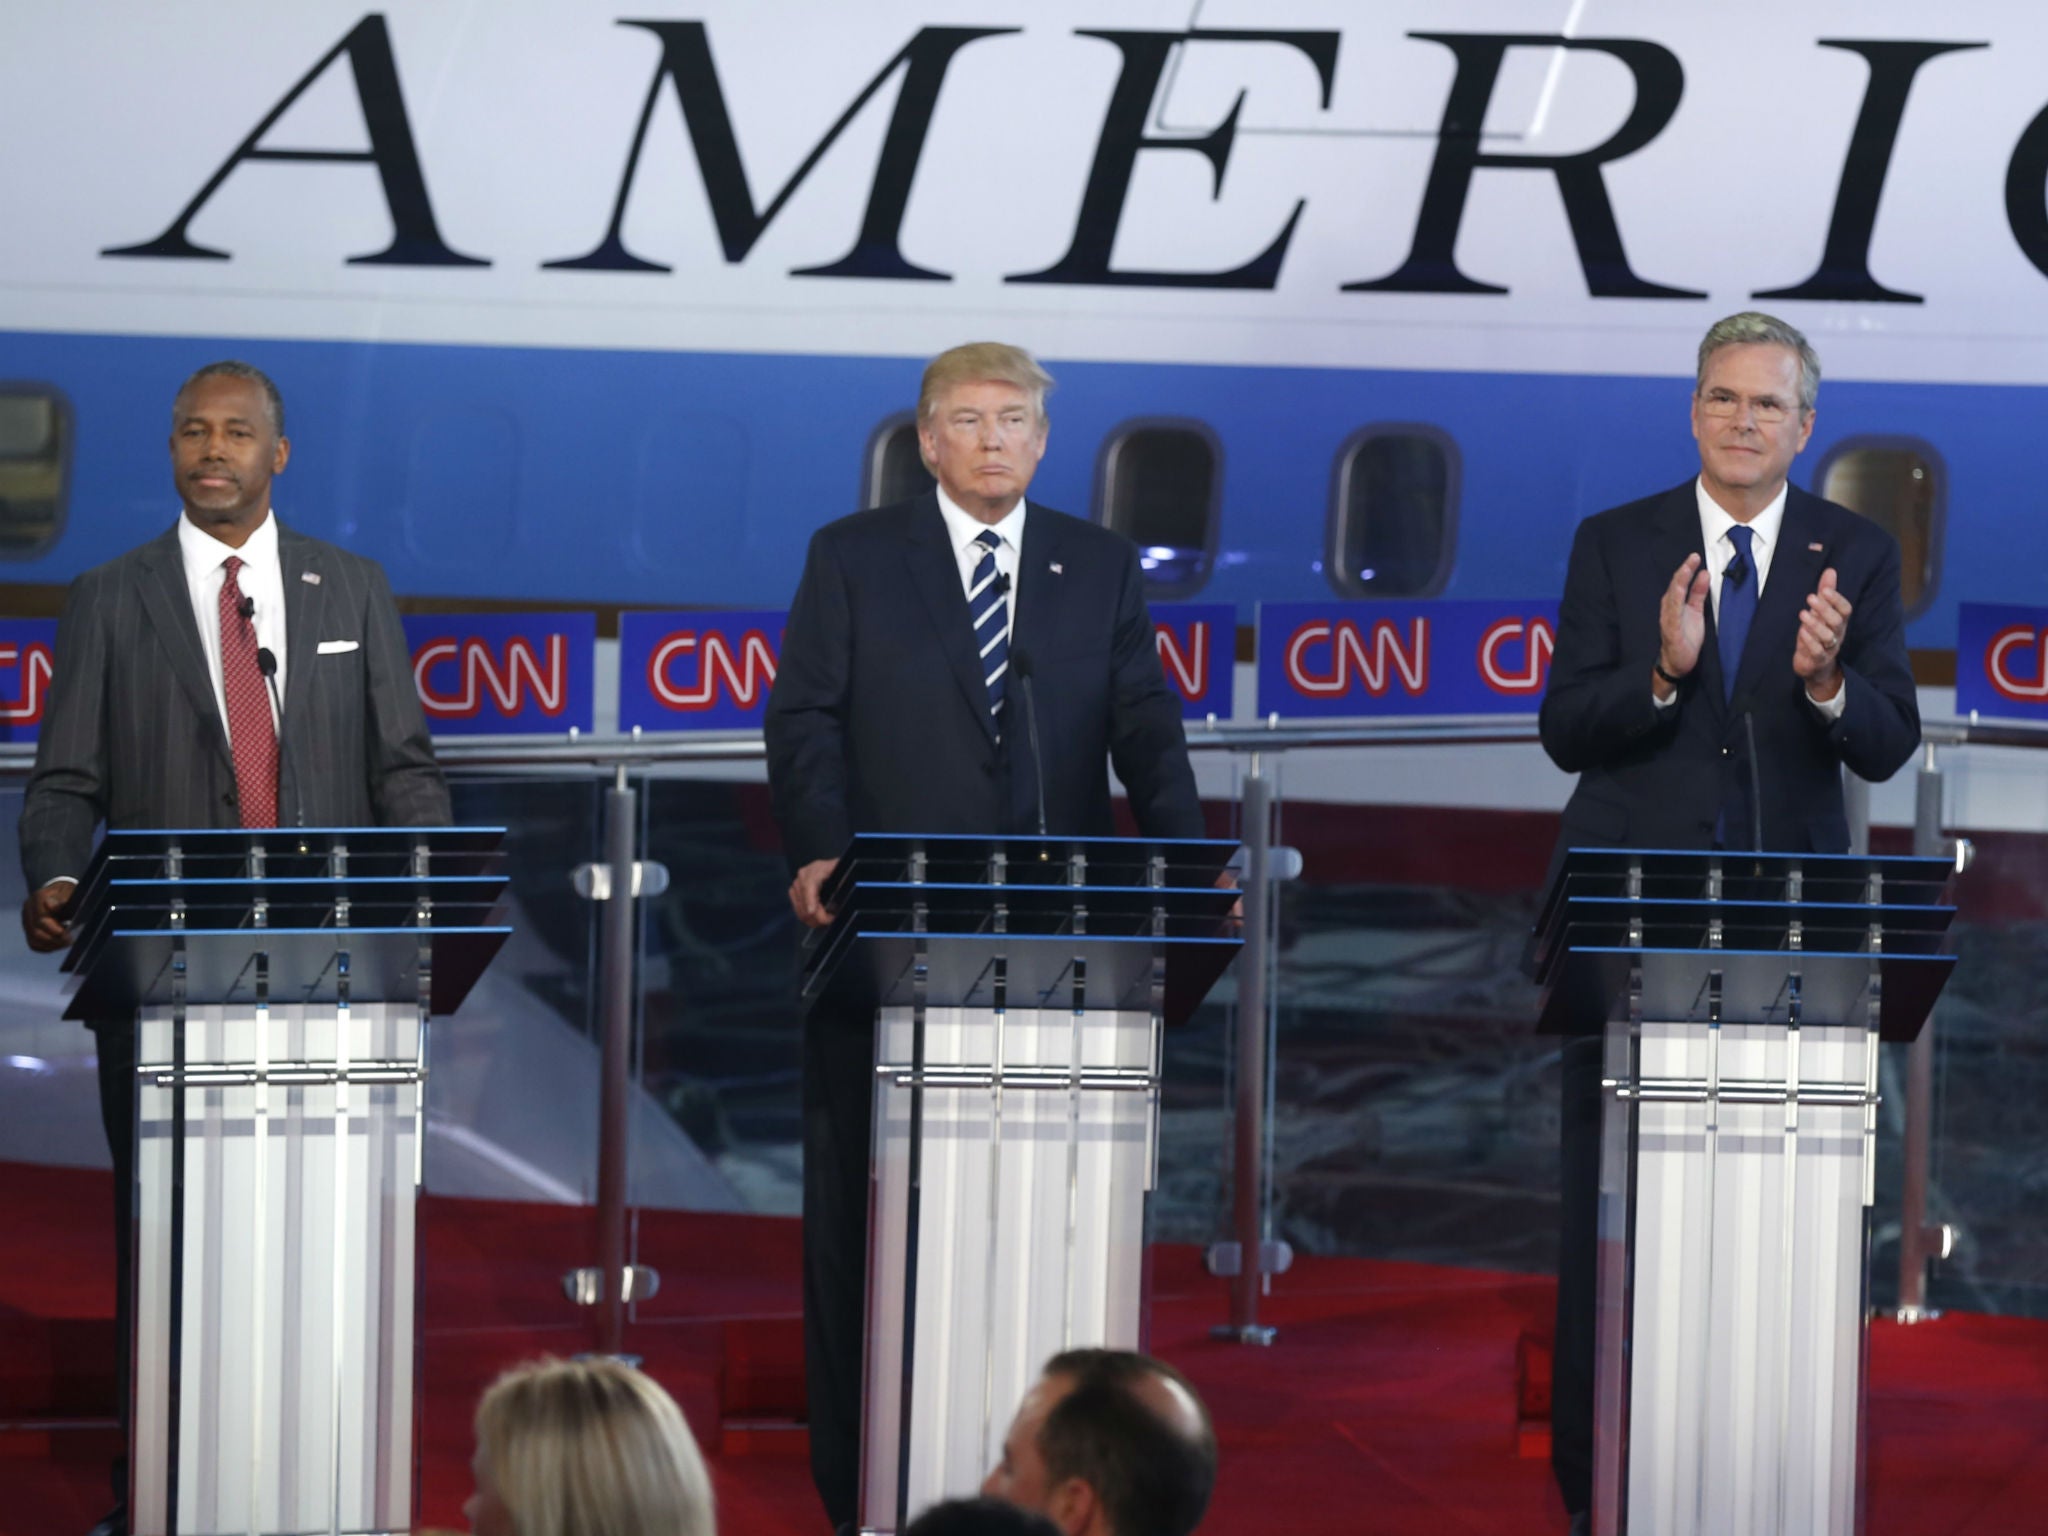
x: 621, y: 799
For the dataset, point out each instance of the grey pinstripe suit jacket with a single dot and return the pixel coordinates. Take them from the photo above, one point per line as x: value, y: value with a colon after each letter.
x: 132, y: 736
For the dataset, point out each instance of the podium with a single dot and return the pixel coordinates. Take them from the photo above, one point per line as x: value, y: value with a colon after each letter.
x: 281, y: 982
x: 1742, y: 999
x: 1020, y: 989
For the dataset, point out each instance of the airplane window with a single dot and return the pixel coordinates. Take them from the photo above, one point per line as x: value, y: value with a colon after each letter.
x: 1393, y: 513
x: 895, y: 468
x: 1160, y: 484
x: 1899, y: 485
x: 35, y: 468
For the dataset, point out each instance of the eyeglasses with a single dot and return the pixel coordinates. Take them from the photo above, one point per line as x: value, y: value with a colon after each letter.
x: 1768, y: 410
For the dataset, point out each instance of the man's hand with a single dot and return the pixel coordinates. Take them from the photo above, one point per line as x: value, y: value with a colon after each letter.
x: 1682, y: 623
x: 39, y: 920
x: 1817, y: 656
x: 804, y: 898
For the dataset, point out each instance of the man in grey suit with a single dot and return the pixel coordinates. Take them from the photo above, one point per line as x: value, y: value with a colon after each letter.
x: 228, y: 673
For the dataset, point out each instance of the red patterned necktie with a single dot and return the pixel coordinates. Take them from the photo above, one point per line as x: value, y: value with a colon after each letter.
x: 251, y: 732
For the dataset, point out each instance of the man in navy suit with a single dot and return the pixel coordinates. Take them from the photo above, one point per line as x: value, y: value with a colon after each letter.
x: 1732, y: 631
x: 898, y: 707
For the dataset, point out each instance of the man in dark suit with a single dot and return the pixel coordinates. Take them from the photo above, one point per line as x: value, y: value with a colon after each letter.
x: 228, y: 673
x: 1733, y: 630
x: 897, y: 708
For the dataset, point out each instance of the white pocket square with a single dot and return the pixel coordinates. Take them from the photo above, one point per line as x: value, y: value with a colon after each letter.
x: 337, y: 647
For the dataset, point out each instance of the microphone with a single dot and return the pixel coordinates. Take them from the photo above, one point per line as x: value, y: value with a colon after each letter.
x: 247, y: 609
x: 1002, y: 583
x: 266, y: 663
x: 1020, y: 668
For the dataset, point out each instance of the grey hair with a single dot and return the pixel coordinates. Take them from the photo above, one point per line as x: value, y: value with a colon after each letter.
x: 273, y: 401
x: 1754, y: 328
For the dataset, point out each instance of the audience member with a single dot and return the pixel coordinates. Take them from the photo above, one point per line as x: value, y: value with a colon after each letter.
x: 1109, y: 1443
x: 980, y: 1517
x: 585, y: 1448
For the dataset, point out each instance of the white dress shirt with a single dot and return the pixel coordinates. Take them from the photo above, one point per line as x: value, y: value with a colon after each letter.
x: 965, y: 530
x: 1715, y: 521
x: 260, y: 578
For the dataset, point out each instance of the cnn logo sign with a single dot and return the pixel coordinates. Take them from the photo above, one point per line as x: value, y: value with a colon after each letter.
x: 27, y: 649
x: 697, y: 671
x: 503, y: 674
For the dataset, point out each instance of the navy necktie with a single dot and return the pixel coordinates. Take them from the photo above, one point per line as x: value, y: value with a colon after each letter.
x: 988, y: 601
x: 1738, y: 605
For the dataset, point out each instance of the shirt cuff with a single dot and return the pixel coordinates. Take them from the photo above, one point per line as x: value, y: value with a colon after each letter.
x: 1663, y: 703
x: 1832, y: 709
x: 60, y: 880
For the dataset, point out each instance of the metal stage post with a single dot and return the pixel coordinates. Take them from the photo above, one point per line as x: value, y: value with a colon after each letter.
x: 1919, y: 1239
x: 1248, y: 1258
x: 619, y: 881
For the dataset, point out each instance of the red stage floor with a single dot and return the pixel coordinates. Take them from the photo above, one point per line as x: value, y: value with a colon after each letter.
x: 1388, y: 1405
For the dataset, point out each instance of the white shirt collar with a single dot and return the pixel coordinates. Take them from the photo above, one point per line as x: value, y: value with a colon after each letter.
x: 964, y: 529
x: 202, y: 552
x: 1715, y: 523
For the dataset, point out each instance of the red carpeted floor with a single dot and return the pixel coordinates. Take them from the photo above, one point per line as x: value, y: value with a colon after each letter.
x: 1390, y: 1404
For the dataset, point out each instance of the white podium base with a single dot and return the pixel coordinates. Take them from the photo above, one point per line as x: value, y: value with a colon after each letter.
x: 1019, y: 1234
x: 1736, y: 1174
x: 275, y: 1281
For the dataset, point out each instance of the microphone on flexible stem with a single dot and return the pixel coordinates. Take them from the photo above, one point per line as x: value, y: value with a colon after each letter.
x: 1020, y: 668
x: 266, y: 663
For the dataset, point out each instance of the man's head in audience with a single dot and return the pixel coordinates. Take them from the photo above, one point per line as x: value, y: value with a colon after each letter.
x: 980, y: 1517
x: 1109, y: 1443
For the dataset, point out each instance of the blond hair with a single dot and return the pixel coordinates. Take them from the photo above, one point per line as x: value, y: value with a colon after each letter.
x: 591, y: 1448
x: 983, y: 362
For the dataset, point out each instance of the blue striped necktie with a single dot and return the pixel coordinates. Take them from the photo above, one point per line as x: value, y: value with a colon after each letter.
x: 990, y: 605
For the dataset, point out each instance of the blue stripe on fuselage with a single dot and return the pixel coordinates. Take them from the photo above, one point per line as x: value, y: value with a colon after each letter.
x: 677, y: 478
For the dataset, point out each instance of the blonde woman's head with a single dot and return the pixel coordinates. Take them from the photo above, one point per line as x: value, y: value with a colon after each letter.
x: 585, y: 1448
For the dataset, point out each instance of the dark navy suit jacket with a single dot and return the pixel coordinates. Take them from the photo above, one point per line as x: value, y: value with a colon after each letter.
x: 879, y: 718
x: 1651, y: 778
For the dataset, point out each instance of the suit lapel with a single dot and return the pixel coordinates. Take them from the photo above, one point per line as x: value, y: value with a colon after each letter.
x: 304, y: 601
x: 1679, y: 536
x: 935, y: 572
x: 1795, y: 572
x: 1041, y: 593
x: 167, y: 601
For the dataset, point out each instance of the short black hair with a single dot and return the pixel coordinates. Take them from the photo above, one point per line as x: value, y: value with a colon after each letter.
x: 230, y: 369
x: 1152, y: 1479
x: 980, y: 1517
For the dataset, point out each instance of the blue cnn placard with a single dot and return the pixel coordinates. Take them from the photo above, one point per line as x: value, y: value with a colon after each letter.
x: 2002, y: 660
x: 1348, y: 660
x: 697, y: 671
x: 25, y: 650
x: 1198, y: 654
x: 504, y: 674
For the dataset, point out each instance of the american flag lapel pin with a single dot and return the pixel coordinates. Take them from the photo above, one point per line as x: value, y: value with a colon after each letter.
x: 1057, y: 569
x: 1816, y: 548
x: 312, y: 578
